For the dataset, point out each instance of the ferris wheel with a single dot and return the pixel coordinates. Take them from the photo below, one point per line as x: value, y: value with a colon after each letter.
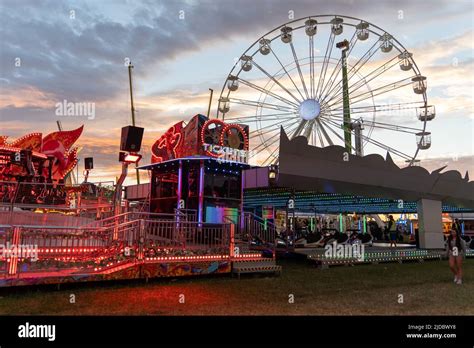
x: 335, y: 80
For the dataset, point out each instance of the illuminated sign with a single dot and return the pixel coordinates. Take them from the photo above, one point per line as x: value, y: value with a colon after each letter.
x: 226, y: 153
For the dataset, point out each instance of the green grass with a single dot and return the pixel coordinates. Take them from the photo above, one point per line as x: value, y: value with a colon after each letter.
x: 427, y: 289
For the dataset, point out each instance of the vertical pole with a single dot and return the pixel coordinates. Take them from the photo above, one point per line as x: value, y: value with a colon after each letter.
x: 201, y: 192
x: 130, y: 67
x: 13, y: 259
x: 242, y: 185
x: 141, y: 240
x: 210, y: 102
x: 232, y: 241
x: 346, y: 106
x: 180, y: 184
x: 357, y: 126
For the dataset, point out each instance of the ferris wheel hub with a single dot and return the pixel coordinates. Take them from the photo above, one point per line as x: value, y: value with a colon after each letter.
x: 309, y: 109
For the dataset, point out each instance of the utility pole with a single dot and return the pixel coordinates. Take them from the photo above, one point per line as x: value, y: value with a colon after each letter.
x: 130, y: 67
x: 210, y: 102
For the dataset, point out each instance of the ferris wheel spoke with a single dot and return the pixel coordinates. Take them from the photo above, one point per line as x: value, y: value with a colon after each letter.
x: 379, y: 90
x: 273, y: 139
x: 379, y: 144
x: 323, y: 131
x: 338, y: 67
x: 256, y: 118
x: 287, y: 74
x: 311, y: 64
x: 299, y: 129
x: 295, y: 57
x: 375, y: 73
x: 354, y: 69
x: 276, y: 81
x: 327, y: 57
x: 328, y: 125
x: 270, y: 157
x: 317, y: 135
x: 308, y: 129
x: 381, y: 125
x: 267, y: 92
x: 380, y: 108
x: 364, y: 80
x: 262, y: 104
x: 271, y: 126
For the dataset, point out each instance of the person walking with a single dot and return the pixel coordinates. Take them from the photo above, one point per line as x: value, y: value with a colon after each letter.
x: 392, y: 229
x: 455, y: 249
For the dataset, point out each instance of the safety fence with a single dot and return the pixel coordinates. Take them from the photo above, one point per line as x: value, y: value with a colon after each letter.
x: 60, y: 250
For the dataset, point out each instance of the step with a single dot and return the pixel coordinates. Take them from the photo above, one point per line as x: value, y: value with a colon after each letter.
x: 260, y: 266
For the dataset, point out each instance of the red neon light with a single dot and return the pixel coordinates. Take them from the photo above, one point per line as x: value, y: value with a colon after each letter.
x: 240, y: 129
x: 206, y: 127
x: 168, y: 145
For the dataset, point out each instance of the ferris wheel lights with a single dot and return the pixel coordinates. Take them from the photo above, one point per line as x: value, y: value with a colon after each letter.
x: 362, y: 31
x: 423, y: 140
x: 387, y: 43
x: 405, y: 60
x: 336, y: 25
x: 246, y: 62
x: 232, y: 83
x: 224, y: 105
x: 419, y: 84
x: 286, y: 34
x: 426, y: 113
x: 265, y: 47
x: 311, y: 27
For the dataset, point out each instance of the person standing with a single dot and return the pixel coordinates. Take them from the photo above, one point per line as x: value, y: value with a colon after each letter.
x: 456, y: 249
x: 456, y: 225
x: 392, y: 229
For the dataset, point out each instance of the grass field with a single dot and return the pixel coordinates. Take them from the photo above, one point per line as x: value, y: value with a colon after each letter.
x: 427, y: 288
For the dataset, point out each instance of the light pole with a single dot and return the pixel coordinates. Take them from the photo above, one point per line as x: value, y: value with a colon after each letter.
x: 130, y: 67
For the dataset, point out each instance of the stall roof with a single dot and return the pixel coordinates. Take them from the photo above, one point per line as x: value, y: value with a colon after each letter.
x: 194, y: 158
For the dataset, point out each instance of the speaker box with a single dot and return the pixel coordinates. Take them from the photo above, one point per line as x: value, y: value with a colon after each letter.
x: 131, y: 139
x: 88, y: 163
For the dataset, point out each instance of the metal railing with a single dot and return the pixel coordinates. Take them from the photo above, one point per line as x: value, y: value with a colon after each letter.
x: 64, y: 250
x: 58, y: 200
x: 252, y: 233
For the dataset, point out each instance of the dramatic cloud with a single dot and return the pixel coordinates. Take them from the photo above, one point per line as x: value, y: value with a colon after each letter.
x: 52, y: 51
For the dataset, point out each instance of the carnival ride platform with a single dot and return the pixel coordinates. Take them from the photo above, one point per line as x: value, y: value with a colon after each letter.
x: 373, y: 255
x: 125, y: 246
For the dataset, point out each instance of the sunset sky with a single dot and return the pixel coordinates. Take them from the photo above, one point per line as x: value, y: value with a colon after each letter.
x: 180, y: 49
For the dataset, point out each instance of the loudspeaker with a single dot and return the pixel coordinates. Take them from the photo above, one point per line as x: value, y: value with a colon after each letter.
x: 131, y: 139
x: 88, y: 163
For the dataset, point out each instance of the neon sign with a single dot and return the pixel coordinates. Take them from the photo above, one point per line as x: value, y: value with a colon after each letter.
x: 226, y: 153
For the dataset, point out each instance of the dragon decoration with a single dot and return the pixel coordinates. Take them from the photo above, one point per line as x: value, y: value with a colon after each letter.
x: 58, y: 145
x: 167, y: 145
